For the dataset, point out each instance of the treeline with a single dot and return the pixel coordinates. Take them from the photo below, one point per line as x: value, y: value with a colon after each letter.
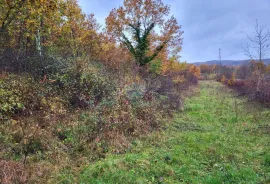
x: 41, y: 37
x: 251, y: 79
x: 70, y: 89
x: 55, y: 43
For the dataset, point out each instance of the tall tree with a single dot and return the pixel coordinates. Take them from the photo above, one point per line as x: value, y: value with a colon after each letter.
x: 257, y: 49
x: 143, y: 27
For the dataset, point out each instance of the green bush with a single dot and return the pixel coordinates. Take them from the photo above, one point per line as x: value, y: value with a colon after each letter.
x: 10, y: 100
x: 16, y: 94
x: 156, y: 66
x: 85, y: 84
x: 22, y: 95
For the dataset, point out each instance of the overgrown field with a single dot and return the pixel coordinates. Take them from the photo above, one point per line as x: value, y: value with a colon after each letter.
x: 220, y: 138
x: 79, y: 117
x: 85, y: 102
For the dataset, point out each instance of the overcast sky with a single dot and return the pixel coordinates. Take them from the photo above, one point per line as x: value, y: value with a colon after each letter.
x: 207, y: 24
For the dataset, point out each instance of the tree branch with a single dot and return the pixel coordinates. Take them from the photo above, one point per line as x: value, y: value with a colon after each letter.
x: 10, y: 17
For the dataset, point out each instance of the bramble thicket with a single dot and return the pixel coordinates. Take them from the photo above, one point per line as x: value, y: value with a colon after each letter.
x: 72, y: 90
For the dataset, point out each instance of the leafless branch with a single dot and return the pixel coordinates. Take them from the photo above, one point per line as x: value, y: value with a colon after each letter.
x: 258, y: 43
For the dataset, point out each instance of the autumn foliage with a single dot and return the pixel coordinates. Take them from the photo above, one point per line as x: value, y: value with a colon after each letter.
x: 134, y: 25
x: 70, y: 89
x: 250, y: 79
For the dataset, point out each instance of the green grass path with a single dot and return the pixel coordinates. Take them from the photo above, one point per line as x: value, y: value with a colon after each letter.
x: 219, y: 138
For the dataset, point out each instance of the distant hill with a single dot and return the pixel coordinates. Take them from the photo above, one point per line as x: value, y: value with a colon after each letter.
x: 229, y: 62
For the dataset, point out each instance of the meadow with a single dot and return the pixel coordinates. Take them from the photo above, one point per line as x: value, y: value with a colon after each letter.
x: 220, y: 138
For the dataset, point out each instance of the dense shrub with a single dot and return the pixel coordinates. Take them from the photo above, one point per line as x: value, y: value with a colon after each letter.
x: 22, y: 95
x: 112, y: 110
x: 84, y: 84
x: 70, y: 90
x: 250, y: 80
x: 110, y: 124
x: 166, y: 91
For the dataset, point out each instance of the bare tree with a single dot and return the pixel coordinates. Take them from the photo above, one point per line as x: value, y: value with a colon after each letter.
x: 258, y: 46
x: 257, y: 49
